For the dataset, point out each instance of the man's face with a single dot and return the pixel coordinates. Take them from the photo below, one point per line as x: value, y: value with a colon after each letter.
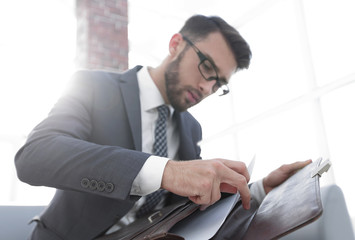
x: 185, y: 86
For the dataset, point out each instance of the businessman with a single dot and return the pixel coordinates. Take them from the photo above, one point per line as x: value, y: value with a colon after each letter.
x: 117, y: 146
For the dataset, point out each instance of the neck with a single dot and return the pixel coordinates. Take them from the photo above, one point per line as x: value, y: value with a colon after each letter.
x: 157, y: 74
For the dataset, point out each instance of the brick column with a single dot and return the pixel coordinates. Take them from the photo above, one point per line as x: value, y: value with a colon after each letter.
x: 102, y: 37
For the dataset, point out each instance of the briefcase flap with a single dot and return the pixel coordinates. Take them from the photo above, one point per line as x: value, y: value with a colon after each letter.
x: 288, y: 207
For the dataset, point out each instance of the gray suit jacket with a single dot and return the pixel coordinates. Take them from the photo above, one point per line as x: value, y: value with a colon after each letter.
x: 89, y: 148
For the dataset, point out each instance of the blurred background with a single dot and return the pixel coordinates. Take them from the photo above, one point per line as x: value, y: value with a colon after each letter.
x: 295, y: 102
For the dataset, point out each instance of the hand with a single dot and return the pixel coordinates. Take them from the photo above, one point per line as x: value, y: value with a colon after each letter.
x: 202, y: 181
x: 281, y: 174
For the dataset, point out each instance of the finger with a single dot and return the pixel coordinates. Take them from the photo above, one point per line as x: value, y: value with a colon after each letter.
x: 198, y: 200
x: 245, y: 196
x: 216, y: 192
x: 202, y: 198
x: 203, y: 207
x: 238, y: 167
x: 232, y: 178
x: 293, y: 167
x: 301, y: 164
x: 215, y: 195
x: 239, y: 182
x: 226, y: 188
x: 194, y: 199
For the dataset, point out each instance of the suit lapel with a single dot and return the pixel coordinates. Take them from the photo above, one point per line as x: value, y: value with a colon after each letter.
x: 188, y: 148
x: 130, y: 94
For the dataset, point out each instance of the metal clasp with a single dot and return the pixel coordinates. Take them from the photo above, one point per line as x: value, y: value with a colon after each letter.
x: 322, y: 168
x: 154, y: 216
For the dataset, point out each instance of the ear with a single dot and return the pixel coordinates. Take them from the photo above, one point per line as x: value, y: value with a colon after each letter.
x: 176, y: 44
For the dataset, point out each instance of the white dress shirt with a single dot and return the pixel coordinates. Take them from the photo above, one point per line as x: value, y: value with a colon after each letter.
x: 149, y: 178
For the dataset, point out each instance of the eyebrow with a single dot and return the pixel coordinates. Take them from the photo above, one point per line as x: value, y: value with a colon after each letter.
x: 211, y: 59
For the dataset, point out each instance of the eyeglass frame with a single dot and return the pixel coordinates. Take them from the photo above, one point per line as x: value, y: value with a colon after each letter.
x: 204, y: 58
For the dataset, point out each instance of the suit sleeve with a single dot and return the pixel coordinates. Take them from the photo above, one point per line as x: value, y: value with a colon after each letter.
x: 58, y: 152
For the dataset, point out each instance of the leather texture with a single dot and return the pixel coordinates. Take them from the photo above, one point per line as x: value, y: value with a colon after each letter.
x: 237, y: 222
x: 291, y: 205
x: 156, y: 225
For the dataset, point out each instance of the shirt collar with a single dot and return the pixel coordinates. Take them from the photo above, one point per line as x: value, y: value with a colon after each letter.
x: 149, y: 94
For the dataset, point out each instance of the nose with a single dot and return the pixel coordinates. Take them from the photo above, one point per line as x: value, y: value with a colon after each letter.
x: 206, y: 87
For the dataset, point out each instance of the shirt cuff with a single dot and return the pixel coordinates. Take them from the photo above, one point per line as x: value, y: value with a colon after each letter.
x: 257, y: 191
x: 150, y: 176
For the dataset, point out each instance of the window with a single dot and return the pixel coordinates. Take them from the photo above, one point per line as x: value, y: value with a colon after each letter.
x: 37, y: 58
x: 296, y: 100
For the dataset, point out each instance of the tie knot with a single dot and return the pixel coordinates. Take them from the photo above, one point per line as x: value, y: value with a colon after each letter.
x: 163, y: 111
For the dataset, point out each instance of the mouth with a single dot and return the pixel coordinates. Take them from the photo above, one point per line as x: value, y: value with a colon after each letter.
x: 193, y: 97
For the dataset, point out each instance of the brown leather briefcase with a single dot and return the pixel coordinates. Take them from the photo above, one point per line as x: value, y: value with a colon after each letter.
x: 286, y: 208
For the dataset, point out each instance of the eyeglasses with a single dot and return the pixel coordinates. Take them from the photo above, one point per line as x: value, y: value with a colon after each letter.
x: 209, y: 71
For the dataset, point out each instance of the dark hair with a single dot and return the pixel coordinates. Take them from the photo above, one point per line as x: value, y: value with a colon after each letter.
x: 198, y: 27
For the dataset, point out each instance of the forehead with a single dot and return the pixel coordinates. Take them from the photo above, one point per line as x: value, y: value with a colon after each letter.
x: 216, y: 48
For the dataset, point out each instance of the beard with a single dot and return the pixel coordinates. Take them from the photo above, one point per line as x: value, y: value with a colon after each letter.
x: 174, y: 90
